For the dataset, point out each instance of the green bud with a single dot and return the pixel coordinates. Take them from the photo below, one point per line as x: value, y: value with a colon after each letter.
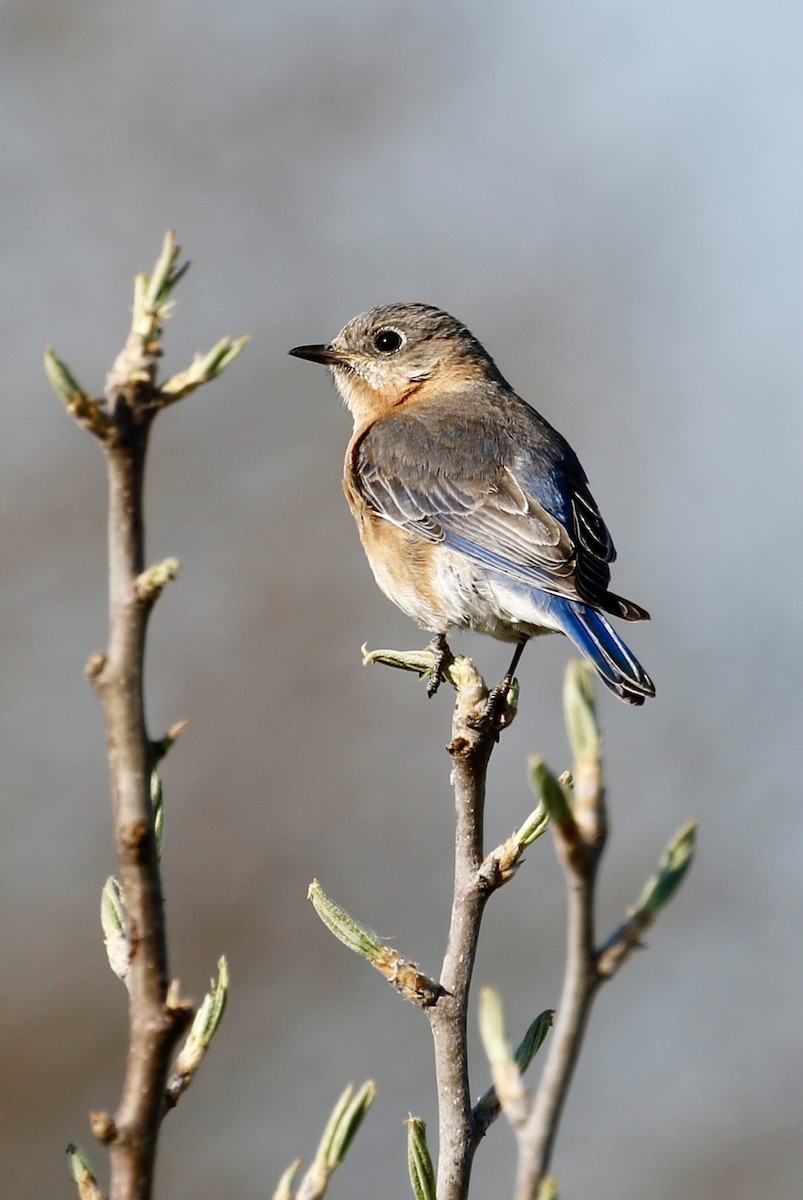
x: 346, y: 1118
x: 114, y: 923
x: 83, y: 1175
x: 345, y: 927
x: 419, y: 1160
x: 554, y: 796
x: 579, y: 710
x: 672, y: 867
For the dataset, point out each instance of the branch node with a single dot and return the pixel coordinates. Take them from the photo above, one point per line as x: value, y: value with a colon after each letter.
x: 151, y: 582
x: 94, y: 667
x: 501, y: 864
x: 103, y: 1127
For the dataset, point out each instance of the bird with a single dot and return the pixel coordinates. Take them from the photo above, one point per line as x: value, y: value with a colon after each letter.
x: 473, y: 511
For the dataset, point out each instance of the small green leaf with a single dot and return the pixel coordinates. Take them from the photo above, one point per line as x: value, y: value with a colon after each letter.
x: 505, y: 1070
x: 114, y: 923
x: 553, y: 794
x: 672, y: 867
x: 62, y: 381
x: 533, y: 1039
x: 345, y: 927
x: 346, y: 1118
x: 205, y: 1025
x: 204, y: 368
x: 535, y: 825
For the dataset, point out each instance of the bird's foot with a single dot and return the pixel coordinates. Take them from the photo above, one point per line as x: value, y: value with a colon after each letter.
x: 440, y: 648
x: 499, y: 708
x: 501, y: 698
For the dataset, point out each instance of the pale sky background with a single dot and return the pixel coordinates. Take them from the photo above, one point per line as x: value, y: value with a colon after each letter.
x: 610, y: 195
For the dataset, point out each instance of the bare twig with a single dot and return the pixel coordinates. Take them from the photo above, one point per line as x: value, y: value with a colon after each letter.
x: 576, y: 805
x: 133, y: 911
x: 470, y: 749
x: 536, y: 1137
x: 475, y: 731
x: 155, y: 1026
x: 580, y: 825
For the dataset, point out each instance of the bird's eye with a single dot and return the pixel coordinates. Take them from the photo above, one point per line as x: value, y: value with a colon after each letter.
x: 388, y: 341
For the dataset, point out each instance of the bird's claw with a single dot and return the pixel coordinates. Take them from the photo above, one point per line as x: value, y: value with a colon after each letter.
x: 440, y: 648
x: 434, y: 683
x: 495, y: 715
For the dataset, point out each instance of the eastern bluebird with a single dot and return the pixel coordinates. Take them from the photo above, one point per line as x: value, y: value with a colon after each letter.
x: 473, y: 511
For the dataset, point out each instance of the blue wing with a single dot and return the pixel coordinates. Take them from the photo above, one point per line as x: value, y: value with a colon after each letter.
x: 489, y: 477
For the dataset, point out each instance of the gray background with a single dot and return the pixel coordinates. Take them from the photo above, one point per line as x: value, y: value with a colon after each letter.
x: 609, y: 194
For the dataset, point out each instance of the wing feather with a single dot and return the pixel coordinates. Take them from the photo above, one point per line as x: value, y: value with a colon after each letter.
x: 508, y: 493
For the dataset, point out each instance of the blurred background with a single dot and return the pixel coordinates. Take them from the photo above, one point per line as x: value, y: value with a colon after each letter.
x: 609, y: 195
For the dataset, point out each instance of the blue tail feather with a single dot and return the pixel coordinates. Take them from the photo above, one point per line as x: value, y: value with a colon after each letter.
x: 617, y: 667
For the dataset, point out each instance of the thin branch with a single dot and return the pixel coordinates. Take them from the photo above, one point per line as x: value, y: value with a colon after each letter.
x: 155, y: 1026
x: 479, y: 717
x: 536, y: 1137
x: 470, y: 749
x: 576, y: 805
x: 133, y: 916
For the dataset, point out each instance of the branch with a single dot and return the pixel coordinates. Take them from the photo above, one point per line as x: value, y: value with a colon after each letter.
x: 470, y: 749
x: 133, y: 916
x: 478, y: 718
x: 536, y: 1136
x: 576, y: 806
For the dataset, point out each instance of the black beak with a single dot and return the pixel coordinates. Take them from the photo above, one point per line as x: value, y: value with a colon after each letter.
x: 319, y: 354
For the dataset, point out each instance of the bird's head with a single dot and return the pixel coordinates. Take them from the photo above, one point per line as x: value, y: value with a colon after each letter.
x: 394, y: 352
